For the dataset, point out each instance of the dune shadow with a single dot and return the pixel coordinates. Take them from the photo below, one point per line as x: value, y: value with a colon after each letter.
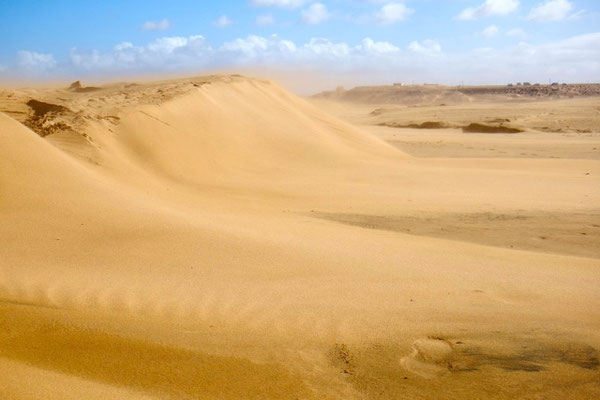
x: 142, y: 365
x: 556, y: 232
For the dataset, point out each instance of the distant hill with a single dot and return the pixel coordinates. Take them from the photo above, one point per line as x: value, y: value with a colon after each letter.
x: 439, y: 94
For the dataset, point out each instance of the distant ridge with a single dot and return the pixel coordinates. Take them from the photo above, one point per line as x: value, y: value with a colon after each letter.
x: 439, y: 94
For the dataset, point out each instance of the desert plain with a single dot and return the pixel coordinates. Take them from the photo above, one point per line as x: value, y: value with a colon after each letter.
x: 219, y: 237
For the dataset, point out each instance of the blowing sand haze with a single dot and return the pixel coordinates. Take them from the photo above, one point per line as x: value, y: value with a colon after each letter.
x: 220, y: 237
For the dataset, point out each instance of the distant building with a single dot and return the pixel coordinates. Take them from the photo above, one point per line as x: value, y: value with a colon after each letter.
x: 536, y: 84
x: 518, y: 83
x: 510, y: 85
x: 526, y: 84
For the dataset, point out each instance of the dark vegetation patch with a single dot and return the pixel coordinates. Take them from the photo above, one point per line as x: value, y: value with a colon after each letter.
x: 533, y: 357
x: 471, y: 128
x: 482, y: 128
x: 423, y: 125
x: 43, y: 120
x: 41, y: 108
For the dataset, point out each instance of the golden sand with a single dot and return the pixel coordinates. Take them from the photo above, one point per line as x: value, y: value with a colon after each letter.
x: 221, y: 238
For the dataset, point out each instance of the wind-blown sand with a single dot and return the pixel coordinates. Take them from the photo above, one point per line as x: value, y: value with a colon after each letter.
x: 221, y: 238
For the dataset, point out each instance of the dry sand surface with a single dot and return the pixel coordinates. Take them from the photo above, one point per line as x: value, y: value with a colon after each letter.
x: 221, y: 238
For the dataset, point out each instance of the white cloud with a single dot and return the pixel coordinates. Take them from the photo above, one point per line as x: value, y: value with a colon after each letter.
x: 325, y: 48
x: 161, y: 25
x: 369, y: 46
x: 490, y: 31
x: 163, y: 53
x: 223, y: 22
x: 392, y: 13
x: 31, y: 60
x: 279, y: 3
x: 164, y: 45
x: 553, y: 10
x: 317, y: 51
x: 427, y: 47
x: 315, y: 14
x: 265, y: 19
x: 576, y: 15
x: 256, y: 47
x: 517, y: 32
x: 250, y: 46
x: 489, y: 8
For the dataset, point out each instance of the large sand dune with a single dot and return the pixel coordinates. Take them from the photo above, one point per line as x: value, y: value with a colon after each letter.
x: 220, y: 238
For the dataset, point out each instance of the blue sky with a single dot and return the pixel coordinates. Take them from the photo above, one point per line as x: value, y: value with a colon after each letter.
x: 350, y: 41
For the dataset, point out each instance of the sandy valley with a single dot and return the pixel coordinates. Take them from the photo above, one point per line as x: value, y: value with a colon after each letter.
x: 221, y: 238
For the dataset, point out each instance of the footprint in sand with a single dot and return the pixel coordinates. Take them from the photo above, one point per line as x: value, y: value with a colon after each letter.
x: 430, y: 357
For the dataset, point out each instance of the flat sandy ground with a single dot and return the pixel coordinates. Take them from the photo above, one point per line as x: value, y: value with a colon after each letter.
x: 221, y: 238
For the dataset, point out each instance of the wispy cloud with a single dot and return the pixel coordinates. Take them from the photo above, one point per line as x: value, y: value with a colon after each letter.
x: 161, y: 25
x: 428, y: 47
x: 223, y: 22
x: 490, y: 31
x: 489, y: 8
x: 34, y: 61
x: 265, y: 19
x: 392, y: 13
x: 279, y: 3
x: 368, y: 45
x: 315, y: 14
x: 517, y: 32
x: 553, y: 10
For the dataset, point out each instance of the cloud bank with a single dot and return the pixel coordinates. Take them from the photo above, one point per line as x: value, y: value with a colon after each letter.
x: 573, y: 59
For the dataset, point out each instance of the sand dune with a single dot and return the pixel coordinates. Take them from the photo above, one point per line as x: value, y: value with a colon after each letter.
x: 182, y: 239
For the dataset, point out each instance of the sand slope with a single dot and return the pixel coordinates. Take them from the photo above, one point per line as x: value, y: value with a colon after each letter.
x: 190, y: 239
